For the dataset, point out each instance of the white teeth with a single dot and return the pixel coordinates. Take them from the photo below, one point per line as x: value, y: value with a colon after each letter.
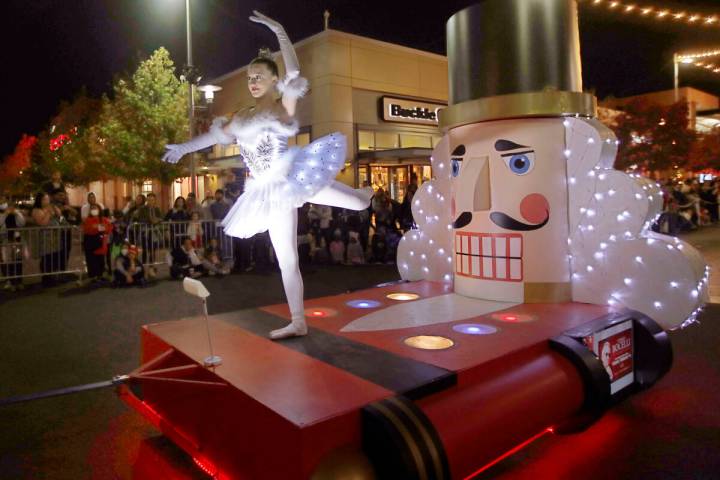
x: 515, y: 247
x: 500, y: 267
x: 475, y: 266
x: 487, y: 246
x: 489, y: 257
x: 515, y: 268
x: 500, y: 244
x: 487, y: 267
x: 475, y: 245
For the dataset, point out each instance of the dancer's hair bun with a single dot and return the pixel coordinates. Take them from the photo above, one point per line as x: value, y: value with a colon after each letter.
x: 265, y: 53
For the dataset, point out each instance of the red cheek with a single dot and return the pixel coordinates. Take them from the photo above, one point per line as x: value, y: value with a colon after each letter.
x: 534, y: 208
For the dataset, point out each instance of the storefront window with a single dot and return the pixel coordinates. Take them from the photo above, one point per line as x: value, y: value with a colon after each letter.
x: 415, y: 141
x: 386, y: 140
x: 302, y: 139
x: 147, y: 187
x: 366, y: 140
x: 231, y: 150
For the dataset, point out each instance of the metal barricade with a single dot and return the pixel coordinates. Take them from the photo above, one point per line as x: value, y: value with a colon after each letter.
x: 156, y: 241
x: 45, y: 252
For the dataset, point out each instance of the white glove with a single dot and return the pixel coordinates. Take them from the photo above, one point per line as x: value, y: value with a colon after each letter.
x: 176, y: 151
x: 292, y: 67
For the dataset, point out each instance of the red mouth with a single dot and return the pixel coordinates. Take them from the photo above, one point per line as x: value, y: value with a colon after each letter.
x: 489, y: 256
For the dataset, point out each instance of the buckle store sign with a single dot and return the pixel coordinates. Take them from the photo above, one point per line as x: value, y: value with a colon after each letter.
x: 403, y: 110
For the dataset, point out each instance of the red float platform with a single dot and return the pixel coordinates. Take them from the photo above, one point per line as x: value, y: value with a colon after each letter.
x: 316, y: 406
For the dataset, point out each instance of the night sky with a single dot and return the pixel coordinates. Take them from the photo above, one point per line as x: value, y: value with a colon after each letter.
x: 52, y: 48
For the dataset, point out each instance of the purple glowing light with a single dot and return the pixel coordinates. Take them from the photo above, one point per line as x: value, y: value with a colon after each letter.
x: 474, y: 329
x: 361, y: 303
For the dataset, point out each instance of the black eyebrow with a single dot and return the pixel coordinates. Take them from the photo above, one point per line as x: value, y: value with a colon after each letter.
x: 505, y: 145
x: 517, y: 153
x: 459, y: 151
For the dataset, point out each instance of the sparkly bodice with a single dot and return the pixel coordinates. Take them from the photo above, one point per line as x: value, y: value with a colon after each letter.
x: 258, y: 155
x: 262, y: 139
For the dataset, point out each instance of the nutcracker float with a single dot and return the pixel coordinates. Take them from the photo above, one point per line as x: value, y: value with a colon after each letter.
x: 541, y: 296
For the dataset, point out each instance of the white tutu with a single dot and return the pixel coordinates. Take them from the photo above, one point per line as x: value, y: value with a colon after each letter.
x: 293, y: 177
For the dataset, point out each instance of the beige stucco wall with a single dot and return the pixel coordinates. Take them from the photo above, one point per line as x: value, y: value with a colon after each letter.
x: 347, y: 74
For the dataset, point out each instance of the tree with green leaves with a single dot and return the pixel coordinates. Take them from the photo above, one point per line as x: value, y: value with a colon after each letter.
x: 147, y: 111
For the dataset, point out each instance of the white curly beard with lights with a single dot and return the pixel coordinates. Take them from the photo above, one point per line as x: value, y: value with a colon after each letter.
x: 425, y: 253
x: 615, y: 258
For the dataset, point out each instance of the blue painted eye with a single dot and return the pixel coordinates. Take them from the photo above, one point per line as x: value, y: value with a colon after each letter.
x: 521, y: 163
x: 456, y: 164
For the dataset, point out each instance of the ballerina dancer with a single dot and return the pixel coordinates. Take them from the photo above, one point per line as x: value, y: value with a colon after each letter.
x: 283, y: 178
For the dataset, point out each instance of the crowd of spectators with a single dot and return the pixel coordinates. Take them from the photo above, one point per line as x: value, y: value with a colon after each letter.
x: 123, y: 246
x: 688, y: 205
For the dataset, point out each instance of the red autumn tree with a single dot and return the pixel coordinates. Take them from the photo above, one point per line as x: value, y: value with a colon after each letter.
x: 653, y: 137
x: 16, y: 164
x: 705, y: 154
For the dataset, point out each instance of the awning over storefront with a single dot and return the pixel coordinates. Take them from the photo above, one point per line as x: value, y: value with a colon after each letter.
x: 396, y: 156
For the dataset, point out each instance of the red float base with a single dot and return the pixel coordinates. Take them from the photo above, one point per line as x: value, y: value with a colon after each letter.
x: 283, y: 410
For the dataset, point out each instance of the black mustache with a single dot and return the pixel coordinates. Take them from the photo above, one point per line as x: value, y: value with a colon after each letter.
x: 462, y: 220
x: 501, y: 220
x: 507, y: 222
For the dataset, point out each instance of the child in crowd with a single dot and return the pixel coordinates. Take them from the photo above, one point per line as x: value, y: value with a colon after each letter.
x: 355, y: 254
x: 214, y: 255
x: 185, y: 261
x: 337, y: 248
x: 379, y: 245
x: 195, y: 229
x: 318, y: 249
x: 96, y: 233
x: 12, y: 248
x: 128, y: 267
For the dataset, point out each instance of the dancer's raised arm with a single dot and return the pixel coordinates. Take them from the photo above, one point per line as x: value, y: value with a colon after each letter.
x: 292, y: 67
x: 216, y: 134
x: 293, y: 86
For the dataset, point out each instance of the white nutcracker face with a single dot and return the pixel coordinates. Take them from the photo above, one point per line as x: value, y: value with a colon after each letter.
x: 509, y: 206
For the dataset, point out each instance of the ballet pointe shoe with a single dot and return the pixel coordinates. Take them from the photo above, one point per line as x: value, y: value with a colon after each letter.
x: 297, y: 328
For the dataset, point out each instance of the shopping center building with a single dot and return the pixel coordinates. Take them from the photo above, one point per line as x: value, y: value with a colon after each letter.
x: 383, y: 97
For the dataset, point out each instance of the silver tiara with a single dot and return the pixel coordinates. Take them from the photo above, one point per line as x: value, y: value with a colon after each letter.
x: 265, y: 53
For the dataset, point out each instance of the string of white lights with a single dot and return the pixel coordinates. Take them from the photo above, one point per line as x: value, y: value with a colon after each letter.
x: 658, y: 13
x: 702, y: 60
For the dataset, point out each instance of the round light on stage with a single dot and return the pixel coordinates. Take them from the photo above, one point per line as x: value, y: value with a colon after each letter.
x: 403, y: 296
x: 429, y: 342
x: 512, y: 317
x: 320, y: 312
x: 360, y: 303
x: 475, y: 329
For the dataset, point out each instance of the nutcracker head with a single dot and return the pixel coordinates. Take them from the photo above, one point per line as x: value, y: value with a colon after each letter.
x: 507, y: 144
x: 510, y: 209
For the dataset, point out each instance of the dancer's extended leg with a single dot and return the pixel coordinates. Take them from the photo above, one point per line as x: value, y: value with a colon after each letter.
x: 342, y: 196
x: 283, y: 235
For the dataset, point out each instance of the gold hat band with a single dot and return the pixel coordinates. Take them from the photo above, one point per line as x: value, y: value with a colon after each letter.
x: 519, y: 105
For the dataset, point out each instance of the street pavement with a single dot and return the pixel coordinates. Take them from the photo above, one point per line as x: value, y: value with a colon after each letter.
x: 72, y: 335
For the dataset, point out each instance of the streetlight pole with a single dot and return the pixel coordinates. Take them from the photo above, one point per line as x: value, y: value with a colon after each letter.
x: 191, y: 100
x: 676, y: 76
